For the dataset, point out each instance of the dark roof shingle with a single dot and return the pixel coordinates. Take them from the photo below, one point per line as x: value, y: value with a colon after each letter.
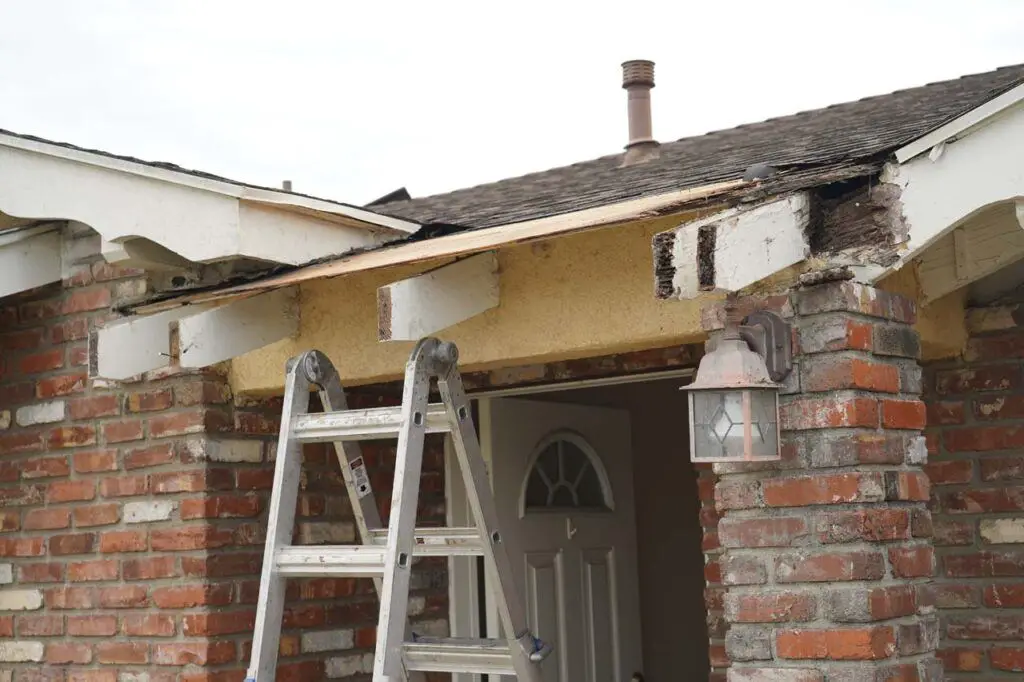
x: 836, y: 135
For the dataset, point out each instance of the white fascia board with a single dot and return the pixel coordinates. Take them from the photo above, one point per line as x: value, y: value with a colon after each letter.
x: 285, y: 200
x: 227, y: 331
x: 419, y: 306
x: 940, y: 192
x: 962, y: 125
x: 29, y: 258
x: 750, y: 244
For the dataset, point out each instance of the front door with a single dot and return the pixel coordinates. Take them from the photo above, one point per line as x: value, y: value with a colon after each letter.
x: 563, y: 484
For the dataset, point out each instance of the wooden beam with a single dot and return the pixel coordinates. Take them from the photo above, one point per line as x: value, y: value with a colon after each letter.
x: 732, y: 249
x: 419, y: 306
x: 29, y: 261
x: 979, y: 247
x: 129, y: 347
x: 229, y: 330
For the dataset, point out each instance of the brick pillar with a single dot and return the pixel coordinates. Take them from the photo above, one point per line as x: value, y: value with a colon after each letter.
x: 827, y: 555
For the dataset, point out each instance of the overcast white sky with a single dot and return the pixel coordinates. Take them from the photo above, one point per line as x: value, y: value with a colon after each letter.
x: 351, y: 100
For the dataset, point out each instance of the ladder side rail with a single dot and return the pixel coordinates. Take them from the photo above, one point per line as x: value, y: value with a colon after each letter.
x: 353, y: 471
x: 481, y: 502
x: 394, y: 598
x: 281, y: 521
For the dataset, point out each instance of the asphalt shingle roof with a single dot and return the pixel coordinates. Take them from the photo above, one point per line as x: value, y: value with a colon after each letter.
x: 864, y: 130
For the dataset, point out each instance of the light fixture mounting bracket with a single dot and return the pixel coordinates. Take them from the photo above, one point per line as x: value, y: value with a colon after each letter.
x: 771, y: 337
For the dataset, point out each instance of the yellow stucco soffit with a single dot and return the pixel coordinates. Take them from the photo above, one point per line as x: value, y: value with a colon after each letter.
x: 733, y: 249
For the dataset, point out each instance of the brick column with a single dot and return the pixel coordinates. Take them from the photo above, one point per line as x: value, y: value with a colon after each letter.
x: 827, y: 555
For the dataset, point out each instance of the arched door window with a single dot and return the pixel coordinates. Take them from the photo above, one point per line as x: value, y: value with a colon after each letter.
x: 565, y: 475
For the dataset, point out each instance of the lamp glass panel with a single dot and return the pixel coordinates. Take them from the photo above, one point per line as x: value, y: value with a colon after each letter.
x: 717, y: 425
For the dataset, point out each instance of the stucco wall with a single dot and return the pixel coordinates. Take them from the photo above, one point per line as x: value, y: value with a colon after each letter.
x: 585, y: 294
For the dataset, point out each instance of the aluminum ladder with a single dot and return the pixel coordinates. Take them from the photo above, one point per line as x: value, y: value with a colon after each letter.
x: 386, y: 553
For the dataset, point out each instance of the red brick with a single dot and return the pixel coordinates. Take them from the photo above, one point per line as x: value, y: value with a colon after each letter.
x: 1002, y: 468
x: 90, y: 571
x: 45, y: 467
x: 149, y: 456
x: 123, y: 541
x: 829, y: 567
x: 177, y: 424
x: 868, y: 525
x: 41, y: 573
x: 122, y: 431
x: 47, y: 519
x: 104, y: 272
x: 148, y: 401
x: 70, y: 491
x: 148, y: 625
x: 71, y: 330
x: 949, y: 596
x: 95, y: 461
x: 822, y: 489
x: 94, y: 406
x: 43, y: 361
x: 983, y: 438
x: 40, y: 625
x: 149, y: 568
x: 885, y: 603
x: 71, y: 436
x: 198, y: 653
x: 858, y: 644
x: 984, y: 626
x: 903, y: 414
x: 828, y: 413
x: 912, y: 562
x: 122, y: 597
x: 986, y: 564
x: 955, y: 659
x: 92, y: 626
x: 849, y: 373
x: 222, y: 565
x: 64, y: 653
x: 65, y: 384
x: 197, y: 480
x: 22, y: 339
x: 910, y: 486
x: 189, y: 537
x: 20, y: 547
x: 982, y: 500
x: 771, y: 608
x: 72, y: 598
x: 126, y: 653
x: 326, y: 588
x: 203, y: 393
x: 24, y: 441
x: 950, y: 472
x: 97, y: 515
x: 124, y: 486
x: 85, y: 300
x: 10, y: 521
x: 75, y: 675
x: 763, y: 532
x: 971, y: 380
x: 72, y: 543
x: 1007, y: 658
x: 221, y: 506
x: 257, y: 424
x: 1005, y: 596
x: 945, y: 412
x: 214, y: 624
x: 192, y: 595
x: 255, y: 479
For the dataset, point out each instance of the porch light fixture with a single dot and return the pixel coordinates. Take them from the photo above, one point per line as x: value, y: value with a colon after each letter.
x: 734, y: 399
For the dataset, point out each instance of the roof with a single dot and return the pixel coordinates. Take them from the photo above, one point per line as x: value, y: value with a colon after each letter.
x: 854, y: 132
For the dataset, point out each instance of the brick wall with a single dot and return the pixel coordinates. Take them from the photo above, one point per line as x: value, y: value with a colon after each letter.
x: 826, y: 556
x: 976, y: 464
x: 132, y: 515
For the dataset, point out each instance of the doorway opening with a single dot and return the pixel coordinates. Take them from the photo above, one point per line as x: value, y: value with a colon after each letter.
x: 599, y: 505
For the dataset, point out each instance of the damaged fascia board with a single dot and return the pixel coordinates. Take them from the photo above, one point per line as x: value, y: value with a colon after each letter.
x: 940, y: 192
x: 206, y: 335
x: 30, y: 258
x: 733, y: 249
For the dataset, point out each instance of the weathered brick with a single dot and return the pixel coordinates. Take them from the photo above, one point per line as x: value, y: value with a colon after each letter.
x: 221, y: 506
x: 149, y: 568
x: 984, y: 378
x: 51, y: 518
x: 1007, y: 658
x: 745, y: 643
x: 984, y: 564
x: 863, y: 644
x: 823, y: 489
x: 775, y: 675
x: 45, y: 467
x: 863, y: 604
x: 958, y: 659
x: 184, y: 596
x: 152, y: 400
x: 224, y: 623
x: 65, y: 384
x: 42, y: 361
x: 148, y: 511
x: 125, y: 653
x: 982, y: 500
x: 148, y: 625
x: 89, y: 571
x: 95, y: 461
x: 40, y: 626
x: 192, y: 481
x: 1010, y: 596
x: 903, y: 414
x: 122, y: 431
x: 868, y: 525
x: 124, y: 486
x: 897, y: 340
x: 67, y: 653
x: 70, y: 491
x: 986, y: 627
x: 97, y: 515
x: 71, y: 436
x: 983, y: 438
x: 149, y: 456
x: 950, y: 472
x: 830, y: 373
x: 189, y: 537
x: 122, y: 541
x: 767, y: 607
x: 199, y: 653
x: 828, y: 413
x: 72, y: 543
x: 94, y: 406
x: 41, y: 413
x: 912, y: 562
x: 123, y: 597
x: 764, y: 532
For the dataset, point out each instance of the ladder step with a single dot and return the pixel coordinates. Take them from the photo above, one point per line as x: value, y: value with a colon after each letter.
x: 374, y: 423
x: 357, y: 561
x: 458, y: 655
x: 438, y: 541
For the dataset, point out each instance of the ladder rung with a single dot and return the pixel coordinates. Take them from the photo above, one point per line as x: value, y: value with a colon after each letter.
x: 458, y: 655
x: 438, y: 541
x: 373, y: 423
x: 320, y: 560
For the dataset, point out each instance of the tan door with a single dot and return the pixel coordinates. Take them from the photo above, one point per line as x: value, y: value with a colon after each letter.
x: 563, y: 484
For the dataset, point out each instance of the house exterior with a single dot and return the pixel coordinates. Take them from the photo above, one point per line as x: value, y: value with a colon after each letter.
x: 148, y: 311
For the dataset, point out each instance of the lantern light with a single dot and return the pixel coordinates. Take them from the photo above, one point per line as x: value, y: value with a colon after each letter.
x: 734, y: 398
